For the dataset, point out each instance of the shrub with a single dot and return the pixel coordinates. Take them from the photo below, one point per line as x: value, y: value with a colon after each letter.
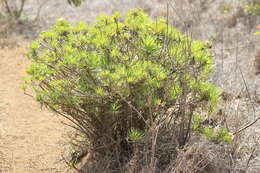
x: 15, y: 8
x: 121, y: 81
x: 252, y: 8
x: 14, y: 11
x: 75, y: 2
x: 203, y: 156
x: 213, y: 134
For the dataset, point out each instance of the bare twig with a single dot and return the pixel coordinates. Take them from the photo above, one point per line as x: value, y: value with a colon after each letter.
x: 134, y: 108
x: 154, y: 141
x: 253, y: 122
x: 69, y: 164
x: 8, y: 8
x: 21, y: 9
x: 40, y: 9
x: 247, y: 126
x: 247, y: 90
x: 250, y: 157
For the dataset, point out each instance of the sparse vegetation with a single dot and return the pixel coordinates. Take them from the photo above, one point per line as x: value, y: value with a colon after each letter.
x: 252, y: 7
x: 225, y: 8
x: 12, y: 8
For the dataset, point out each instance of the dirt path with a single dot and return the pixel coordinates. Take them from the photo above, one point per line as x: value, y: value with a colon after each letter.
x: 30, y: 138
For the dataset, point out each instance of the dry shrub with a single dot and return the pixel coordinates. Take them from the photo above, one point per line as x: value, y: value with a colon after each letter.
x: 12, y: 9
x: 6, y: 27
x: 202, y: 157
x: 257, y: 63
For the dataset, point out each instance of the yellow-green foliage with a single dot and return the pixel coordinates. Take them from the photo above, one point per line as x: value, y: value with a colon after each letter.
x: 252, y: 8
x: 134, y: 135
x: 119, y: 74
x: 225, y: 8
x: 214, y: 134
x: 219, y: 135
x: 75, y: 2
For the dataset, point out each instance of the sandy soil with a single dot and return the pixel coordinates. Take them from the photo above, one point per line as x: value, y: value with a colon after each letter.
x: 30, y: 138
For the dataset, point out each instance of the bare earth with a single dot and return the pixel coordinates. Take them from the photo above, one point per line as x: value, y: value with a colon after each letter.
x: 30, y: 138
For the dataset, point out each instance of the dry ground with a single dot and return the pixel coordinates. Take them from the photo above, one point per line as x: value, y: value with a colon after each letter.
x: 30, y: 138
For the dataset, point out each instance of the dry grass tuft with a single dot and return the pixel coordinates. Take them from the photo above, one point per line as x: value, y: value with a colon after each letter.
x: 202, y: 157
x: 4, y: 163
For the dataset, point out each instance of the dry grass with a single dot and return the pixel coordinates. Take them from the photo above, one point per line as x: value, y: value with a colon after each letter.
x: 202, y: 157
x: 257, y: 63
x: 3, y: 163
x: 6, y: 27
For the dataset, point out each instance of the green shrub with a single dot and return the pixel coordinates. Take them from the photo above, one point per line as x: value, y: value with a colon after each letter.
x: 252, y: 7
x: 75, y: 2
x: 118, y: 80
x: 214, y: 134
x: 220, y: 135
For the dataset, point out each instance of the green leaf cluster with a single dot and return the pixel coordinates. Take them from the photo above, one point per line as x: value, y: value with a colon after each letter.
x: 75, y: 2
x: 135, y: 135
x: 252, y: 8
x: 217, y: 134
x: 119, y: 74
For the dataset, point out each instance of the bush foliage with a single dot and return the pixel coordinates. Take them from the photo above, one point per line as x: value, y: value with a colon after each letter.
x: 120, y: 79
x: 252, y: 7
x: 75, y: 2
